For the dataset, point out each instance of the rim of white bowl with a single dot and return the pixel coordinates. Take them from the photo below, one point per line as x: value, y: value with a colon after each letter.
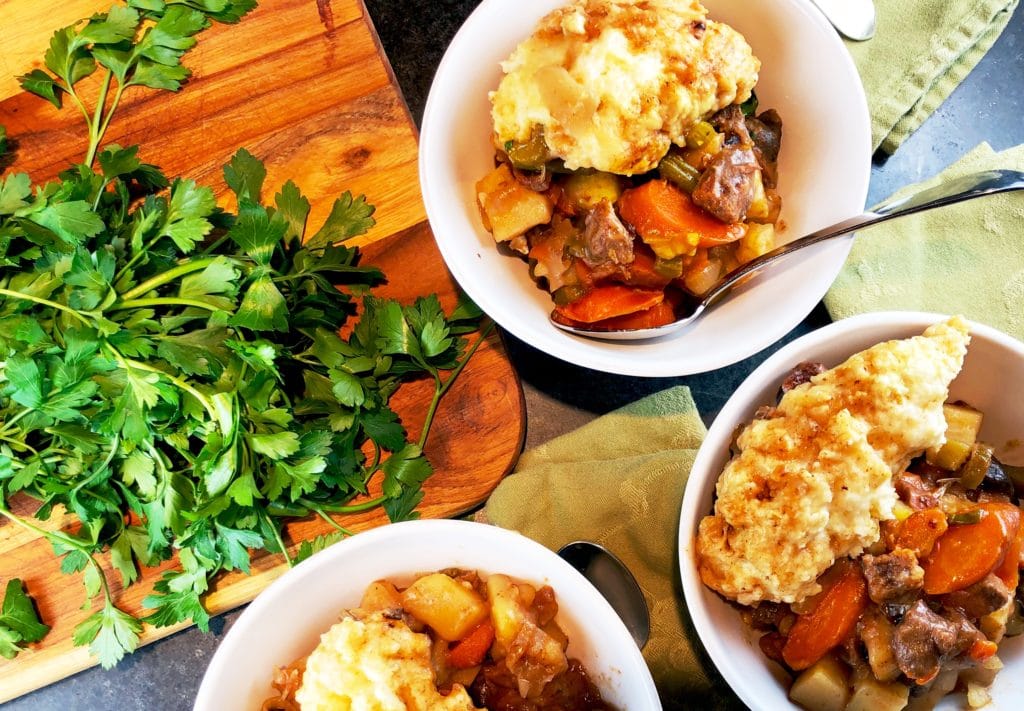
x: 693, y: 508
x: 220, y: 666
x: 614, y: 356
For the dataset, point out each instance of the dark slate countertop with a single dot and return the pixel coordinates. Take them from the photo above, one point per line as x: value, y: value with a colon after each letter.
x: 988, y: 106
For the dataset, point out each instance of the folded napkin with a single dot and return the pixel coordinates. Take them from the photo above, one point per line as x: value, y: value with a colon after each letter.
x: 921, y: 51
x: 619, y: 481
x: 966, y: 258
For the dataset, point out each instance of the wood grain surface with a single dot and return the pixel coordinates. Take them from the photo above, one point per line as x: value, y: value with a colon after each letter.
x: 304, y: 86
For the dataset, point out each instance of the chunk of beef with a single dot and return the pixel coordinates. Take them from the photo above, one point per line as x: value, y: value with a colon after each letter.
x: 766, y: 134
x: 767, y: 615
x: 606, y: 240
x: 916, y: 492
x: 733, y: 124
x: 893, y: 577
x: 921, y: 642
x: 726, y: 187
x: 984, y: 597
x: 801, y: 374
x: 966, y: 633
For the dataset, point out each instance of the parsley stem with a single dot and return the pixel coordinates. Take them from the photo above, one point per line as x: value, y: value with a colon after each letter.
x: 128, y: 363
x: 322, y: 514
x: 277, y: 537
x: 441, y: 389
x: 62, y: 538
x: 352, y: 508
x: 94, y: 134
x: 110, y: 114
x: 19, y: 443
x: 162, y: 301
x: 45, y: 302
x: 187, y: 267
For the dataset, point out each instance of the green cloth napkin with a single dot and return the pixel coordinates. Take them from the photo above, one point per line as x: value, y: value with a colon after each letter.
x: 966, y: 259
x: 921, y: 51
x: 619, y: 481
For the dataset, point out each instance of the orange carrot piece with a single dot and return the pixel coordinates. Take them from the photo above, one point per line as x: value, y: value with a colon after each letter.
x: 920, y: 531
x: 471, y: 649
x: 606, y: 302
x: 831, y: 620
x: 1008, y: 570
x: 661, y: 211
x: 982, y: 649
x: 966, y: 553
x: 657, y: 315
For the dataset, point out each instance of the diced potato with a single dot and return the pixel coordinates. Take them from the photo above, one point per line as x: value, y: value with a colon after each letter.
x: 585, y: 190
x: 822, y: 687
x: 509, y: 208
x: 758, y: 240
x: 450, y: 608
x: 507, y: 613
x: 552, y: 630
x: 877, y: 634
x: 993, y: 625
x: 543, y: 657
x: 901, y: 511
x: 759, y: 206
x: 526, y: 593
x: 381, y: 595
x: 869, y: 694
x: 962, y: 427
x: 977, y: 696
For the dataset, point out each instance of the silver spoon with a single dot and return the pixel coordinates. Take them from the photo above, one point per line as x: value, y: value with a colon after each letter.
x: 613, y: 579
x: 968, y: 187
x: 853, y: 19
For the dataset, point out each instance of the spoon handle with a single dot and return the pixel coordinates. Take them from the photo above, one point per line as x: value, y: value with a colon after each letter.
x: 971, y: 186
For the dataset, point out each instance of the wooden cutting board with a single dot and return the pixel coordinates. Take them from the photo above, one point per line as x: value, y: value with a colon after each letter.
x: 304, y: 85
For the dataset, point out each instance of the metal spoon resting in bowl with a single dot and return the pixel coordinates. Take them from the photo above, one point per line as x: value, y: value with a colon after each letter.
x: 613, y: 580
x: 968, y: 187
x: 853, y: 19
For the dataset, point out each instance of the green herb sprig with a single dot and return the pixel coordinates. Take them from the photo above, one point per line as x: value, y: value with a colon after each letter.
x: 19, y: 621
x: 174, y: 374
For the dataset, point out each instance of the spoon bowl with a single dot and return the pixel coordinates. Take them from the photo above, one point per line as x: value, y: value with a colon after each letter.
x: 853, y: 19
x: 613, y: 580
x: 971, y: 186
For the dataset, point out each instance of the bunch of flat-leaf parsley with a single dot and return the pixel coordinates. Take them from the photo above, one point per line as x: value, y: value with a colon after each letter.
x: 173, y: 374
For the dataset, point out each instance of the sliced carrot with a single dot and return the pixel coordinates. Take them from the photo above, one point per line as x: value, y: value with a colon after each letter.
x: 657, y: 315
x: 1008, y: 570
x: 604, y: 302
x: 982, y: 649
x: 920, y: 531
x: 832, y: 619
x: 471, y: 649
x: 966, y: 553
x: 665, y: 217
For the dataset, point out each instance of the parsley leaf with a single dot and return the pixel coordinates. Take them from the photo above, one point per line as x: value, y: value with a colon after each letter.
x: 350, y: 217
x: 19, y: 622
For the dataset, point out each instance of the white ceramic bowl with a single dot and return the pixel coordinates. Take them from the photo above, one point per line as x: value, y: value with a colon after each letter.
x: 285, y: 622
x: 989, y: 381
x: 807, y: 76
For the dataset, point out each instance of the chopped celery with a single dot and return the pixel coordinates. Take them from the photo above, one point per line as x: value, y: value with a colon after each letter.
x: 531, y: 154
x: 567, y: 294
x: 669, y: 268
x: 677, y: 171
x: 973, y: 471
x: 699, y: 134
